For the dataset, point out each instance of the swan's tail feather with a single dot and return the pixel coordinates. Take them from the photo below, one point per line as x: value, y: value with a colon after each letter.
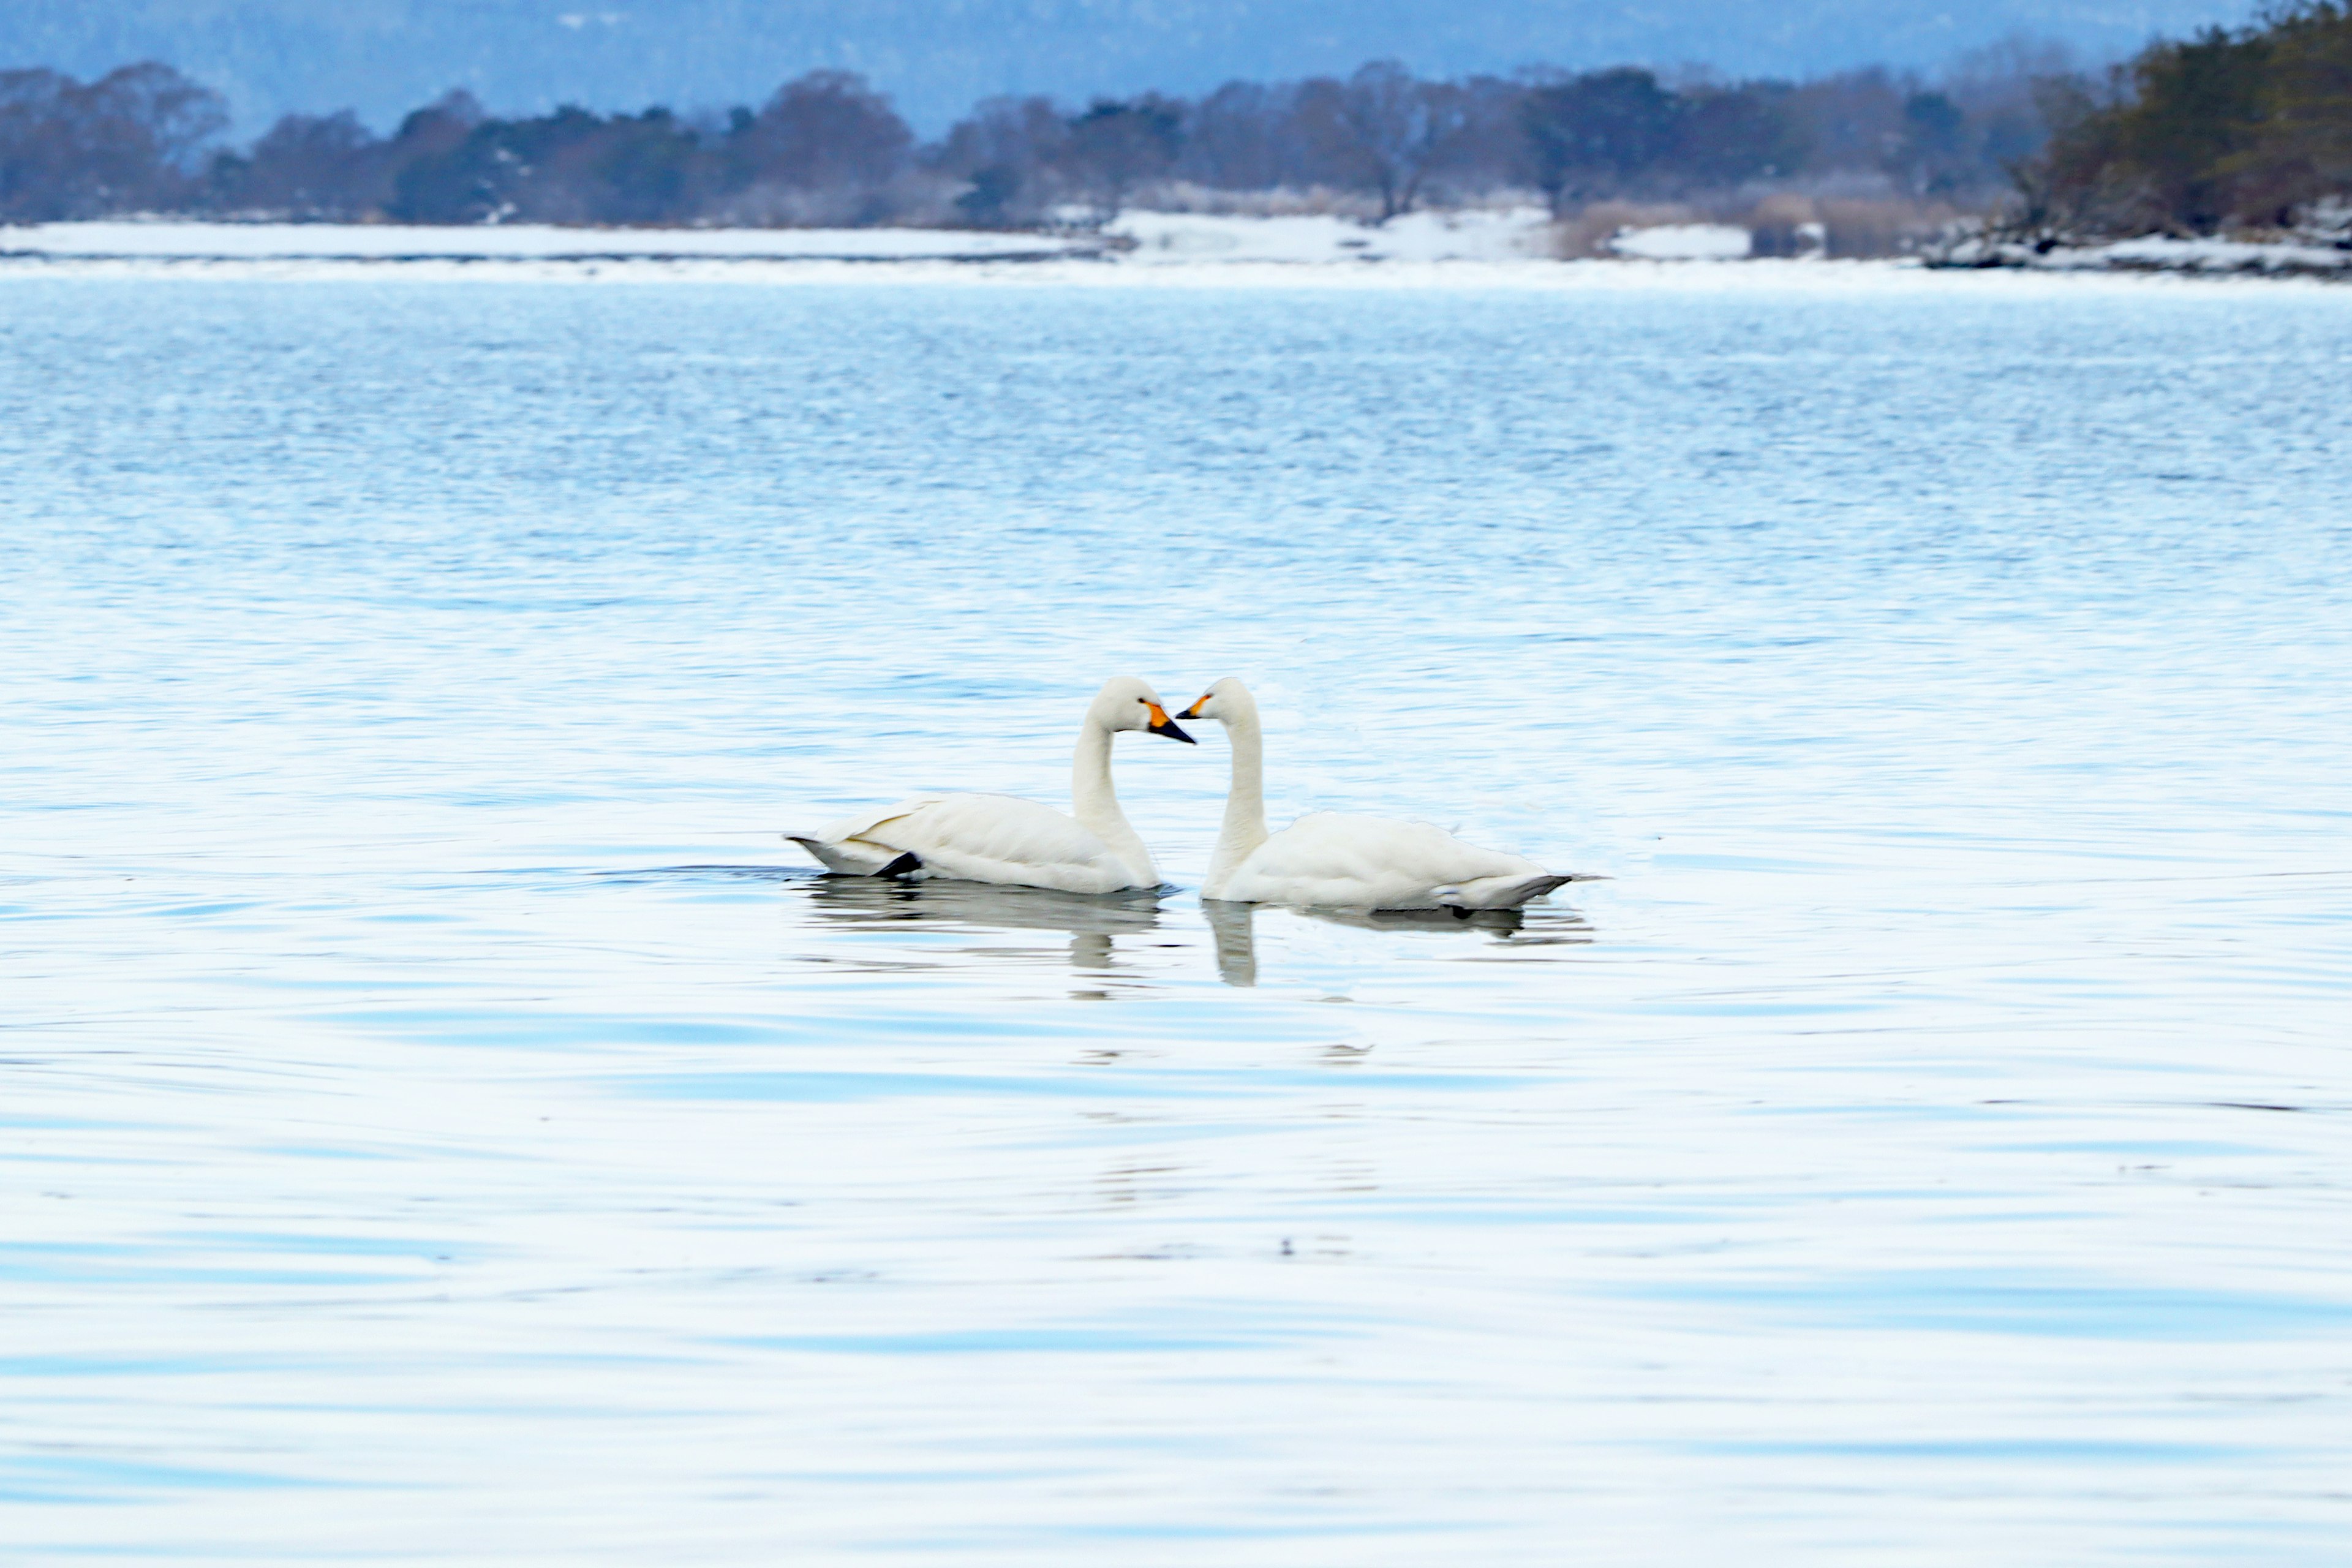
x: 846, y: 857
x: 1535, y: 888
x: 855, y: 857
x: 819, y: 849
x: 1501, y: 893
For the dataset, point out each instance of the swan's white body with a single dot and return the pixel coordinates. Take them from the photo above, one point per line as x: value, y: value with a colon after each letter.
x: 1006, y: 839
x: 982, y: 838
x: 1332, y: 861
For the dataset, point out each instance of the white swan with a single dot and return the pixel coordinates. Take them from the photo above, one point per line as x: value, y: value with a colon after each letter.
x: 1332, y: 861
x: 1004, y: 839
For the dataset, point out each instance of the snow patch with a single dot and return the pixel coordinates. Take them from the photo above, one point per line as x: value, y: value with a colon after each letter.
x: 1175, y: 250
x: 2158, y: 253
x: 1520, y: 234
x: 1683, y: 242
x: 169, y: 240
x: 1141, y: 237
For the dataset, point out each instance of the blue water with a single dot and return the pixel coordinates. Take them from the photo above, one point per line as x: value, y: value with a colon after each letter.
x: 442, y: 1121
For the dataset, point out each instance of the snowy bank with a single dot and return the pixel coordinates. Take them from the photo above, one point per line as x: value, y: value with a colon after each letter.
x: 1683, y: 242
x: 179, y: 241
x: 1512, y: 249
x: 1142, y: 238
x: 2158, y: 253
x: 1520, y: 233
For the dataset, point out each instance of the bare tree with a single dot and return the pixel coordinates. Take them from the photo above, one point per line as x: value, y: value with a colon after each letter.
x: 305, y: 166
x: 1383, y: 130
x: 1726, y: 137
x: 1233, y: 138
x: 1011, y: 153
x: 828, y: 148
x: 823, y: 148
x: 1597, y: 134
x: 1117, y: 145
x: 129, y: 142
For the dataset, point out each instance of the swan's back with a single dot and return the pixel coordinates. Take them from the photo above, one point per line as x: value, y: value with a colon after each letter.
x: 1381, y: 863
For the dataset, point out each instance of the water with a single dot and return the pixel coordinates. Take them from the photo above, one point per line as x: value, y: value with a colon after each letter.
x: 444, y: 1123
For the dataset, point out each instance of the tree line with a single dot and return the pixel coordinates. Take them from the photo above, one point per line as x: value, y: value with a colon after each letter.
x: 828, y: 149
x: 2231, y: 131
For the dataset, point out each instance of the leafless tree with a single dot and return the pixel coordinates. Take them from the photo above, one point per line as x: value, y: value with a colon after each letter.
x: 828, y: 148
x: 1234, y: 140
x: 1597, y: 135
x: 1119, y: 144
x: 1009, y: 153
x: 128, y: 142
x: 1382, y: 130
x: 306, y: 166
x: 821, y: 147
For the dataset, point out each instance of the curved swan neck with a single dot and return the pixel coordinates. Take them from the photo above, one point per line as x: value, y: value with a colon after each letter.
x: 1094, y: 802
x: 1245, y: 826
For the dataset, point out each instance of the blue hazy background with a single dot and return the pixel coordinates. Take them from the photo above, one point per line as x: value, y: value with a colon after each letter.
x: 937, y: 57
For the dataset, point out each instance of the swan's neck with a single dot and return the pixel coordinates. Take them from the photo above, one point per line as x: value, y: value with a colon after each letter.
x: 1244, y: 827
x: 1094, y: 802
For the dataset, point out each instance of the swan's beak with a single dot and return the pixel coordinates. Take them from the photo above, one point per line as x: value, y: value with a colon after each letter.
x: 1163, y: 725
x: 1194, y: 711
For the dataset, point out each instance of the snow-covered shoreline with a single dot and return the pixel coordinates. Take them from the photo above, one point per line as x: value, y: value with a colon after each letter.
x: 177, y: 240
x: 1143, y: 238
x: 1506, y: 249
x: 2161, y: 254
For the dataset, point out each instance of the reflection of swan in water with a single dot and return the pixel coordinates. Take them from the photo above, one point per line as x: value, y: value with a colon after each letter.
x: 1508, y: 922
x: 1234, y: 927
x: 1090, y: 920
x: 979, y: 906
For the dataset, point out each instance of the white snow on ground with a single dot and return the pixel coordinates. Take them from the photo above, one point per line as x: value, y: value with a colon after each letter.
x: 2224, y: 255
x: 1521, y: 234
x: 398, y: 242
x: 1156, y: 238
x: 1684, y: 242
x: 1480, y: 249
x: 2159, y: 253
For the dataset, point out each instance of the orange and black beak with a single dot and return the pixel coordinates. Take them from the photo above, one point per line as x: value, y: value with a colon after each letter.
x: 1195, y: 710
x: 1163, y: 725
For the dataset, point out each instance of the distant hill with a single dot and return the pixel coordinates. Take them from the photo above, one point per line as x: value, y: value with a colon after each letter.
x: 937, y: 57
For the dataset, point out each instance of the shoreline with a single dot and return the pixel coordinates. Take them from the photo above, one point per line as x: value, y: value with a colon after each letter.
x: 1762, y: 276
x: 2157, y: 254
x: 1490, y: 249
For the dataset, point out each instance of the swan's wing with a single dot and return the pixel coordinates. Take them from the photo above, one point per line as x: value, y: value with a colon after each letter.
x: 995, y: 827
x: 1377, y: 863
x: 861, y: 825
x: 842, y: 848
x: 1000, y: 838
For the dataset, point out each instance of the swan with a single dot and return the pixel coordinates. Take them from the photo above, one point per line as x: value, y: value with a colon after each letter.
x: 1006, y: 839
x: 1330, y: 862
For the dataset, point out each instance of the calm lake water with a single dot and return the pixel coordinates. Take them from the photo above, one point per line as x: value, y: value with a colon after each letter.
x: 443, y: 1122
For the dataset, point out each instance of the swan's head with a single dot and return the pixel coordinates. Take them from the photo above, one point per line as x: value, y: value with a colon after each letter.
x: 1226, y: 701
x: 1127, y: 703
